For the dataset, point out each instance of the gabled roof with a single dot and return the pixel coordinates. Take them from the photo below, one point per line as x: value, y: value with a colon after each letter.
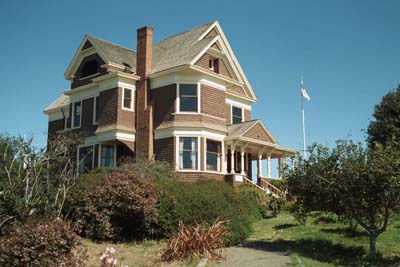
x: 62, y: 101
x: 240, y: 129
x: 178, y: 50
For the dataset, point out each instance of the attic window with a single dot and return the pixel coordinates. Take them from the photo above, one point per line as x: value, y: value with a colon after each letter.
x: 89, y: 68
x: 87, y: 45
x: 213, y: 64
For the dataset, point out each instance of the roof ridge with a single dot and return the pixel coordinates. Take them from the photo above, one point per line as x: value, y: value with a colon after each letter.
x: 191, y: 29
x: 111, y: 43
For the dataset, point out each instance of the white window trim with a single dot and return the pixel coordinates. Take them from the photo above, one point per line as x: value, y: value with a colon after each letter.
x: 99, y: 156
x: 177, y: 104
x: 177, y: 168
x: 221, y: 164
x: 94, y: 110
x: 79, y: 160
x: 73, y: 116
x: 132, y: 99
x: 232, y: 106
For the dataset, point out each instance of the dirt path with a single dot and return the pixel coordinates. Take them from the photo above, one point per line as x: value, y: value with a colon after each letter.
x: 252, y: 257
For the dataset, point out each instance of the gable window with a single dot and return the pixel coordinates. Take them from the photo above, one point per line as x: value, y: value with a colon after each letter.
x: 77, y: 112
x: 237, y: 115
x: 188, y: 153
x: 96, y: 110
x: 89, y: 68
x: 213, y: 64
x: 213, y: 158
x: 188, y: 98
x: 127, y: 100
x: 85, y: 158
x: 107, y: 156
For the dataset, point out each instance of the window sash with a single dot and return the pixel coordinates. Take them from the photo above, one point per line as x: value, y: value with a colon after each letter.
x: 77, y: 114
x: 127, y: 102
x: 188, y: 98
x: 188, y: 155
x: 213, y: 156
x: 107, y: 156
x: 237, y: 115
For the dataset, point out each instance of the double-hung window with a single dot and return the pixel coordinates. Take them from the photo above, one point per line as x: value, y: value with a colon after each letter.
x: 85, y: 157
x: 107, y: 155
x: 127, y: 100
x: 213, y: 157
x: 77, y: 113
x: 237, y: 115
x: 188, y: 98
x: 188, y: 153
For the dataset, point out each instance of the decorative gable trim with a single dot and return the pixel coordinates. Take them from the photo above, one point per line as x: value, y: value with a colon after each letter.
x: 80, y: 54
x: 227, y: 50
x: 260, y: 123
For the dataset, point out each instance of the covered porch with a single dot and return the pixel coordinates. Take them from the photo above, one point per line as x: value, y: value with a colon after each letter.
x: 251, y: 141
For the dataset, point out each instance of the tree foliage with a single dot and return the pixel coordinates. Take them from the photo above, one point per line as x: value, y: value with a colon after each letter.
x: 351, y: 181
x: 386, y: 125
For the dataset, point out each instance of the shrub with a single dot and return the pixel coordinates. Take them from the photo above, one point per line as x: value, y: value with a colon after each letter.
x: 197, y: 241
x: 121, y: 206
x: 202, y: 203
x: 50, y: 242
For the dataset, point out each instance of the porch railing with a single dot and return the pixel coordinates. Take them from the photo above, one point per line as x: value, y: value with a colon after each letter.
x: 267, y: 188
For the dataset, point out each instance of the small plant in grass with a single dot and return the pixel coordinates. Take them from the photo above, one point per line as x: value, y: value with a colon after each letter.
x: 108, y: 260
x: 197, y: 241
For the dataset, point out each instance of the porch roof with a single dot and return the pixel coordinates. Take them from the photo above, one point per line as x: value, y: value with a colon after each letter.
x: 254, y: 136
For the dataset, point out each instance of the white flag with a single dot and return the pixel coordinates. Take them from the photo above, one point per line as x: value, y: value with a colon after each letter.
x: 304, y: 94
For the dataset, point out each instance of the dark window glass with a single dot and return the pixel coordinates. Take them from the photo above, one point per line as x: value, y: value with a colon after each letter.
x: 107, y: 156
x: 97, y: 109
x: 128, y: 98
x: 77, y: 114
x: 188, y: 153
x: 85, y: 159
x: 236, y: 115
x: 89, y: 68
x: 213, y: 155
x: 188, y: 97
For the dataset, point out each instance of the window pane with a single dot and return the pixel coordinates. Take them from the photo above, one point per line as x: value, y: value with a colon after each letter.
x: 85, y: 159
x: 236, y: 120
x: 128, y: 98
x: 236, y: 111
x: 212, y: 161
x: 77, y: 114
x: 188, y: 97
x: 127, y: 93
x: 188, y: 153
x: 107, y: 156
x: 213, y: 146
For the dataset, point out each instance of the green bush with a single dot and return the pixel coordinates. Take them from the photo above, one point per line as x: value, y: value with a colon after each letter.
x: 202, y: 203
x: 49, y: 242
x: 116, y: 204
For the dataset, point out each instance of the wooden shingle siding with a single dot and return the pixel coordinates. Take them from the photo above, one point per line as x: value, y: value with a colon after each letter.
x: 164, y: 149
x: 164, y: 104
x: 216, y: 47
x: 247, y: 115
x: 222, y: 69
x: 236, y: 90
x: 54, y: 126
x: 211, y: 99
x: 257, y: 132
x: 228, y: 113
x: 108, y: 107
x: 212, y: 33
x: 87, y: 117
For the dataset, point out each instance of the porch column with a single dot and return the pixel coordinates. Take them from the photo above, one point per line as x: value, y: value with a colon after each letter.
x: 259, y: 165
x: 233, y: 147
x: 269, y: 165
x: 279, y: 167
x: 223, y: 160
x: 242, y: 160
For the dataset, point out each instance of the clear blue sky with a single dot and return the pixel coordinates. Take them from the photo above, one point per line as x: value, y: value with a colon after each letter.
x: 347, y: 51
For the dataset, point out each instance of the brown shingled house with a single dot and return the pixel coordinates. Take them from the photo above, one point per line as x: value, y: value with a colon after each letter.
x: 185, y: 100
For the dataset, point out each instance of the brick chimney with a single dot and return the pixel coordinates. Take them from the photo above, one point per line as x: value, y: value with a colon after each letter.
x: 144, y: 109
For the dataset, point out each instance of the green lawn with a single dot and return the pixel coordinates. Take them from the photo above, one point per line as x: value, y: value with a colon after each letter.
x: 324, y: 244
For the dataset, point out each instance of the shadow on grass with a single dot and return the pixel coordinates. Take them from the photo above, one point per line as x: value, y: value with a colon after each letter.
x: 345, y: 231
x: 284, y: 226
x: 323, y: 251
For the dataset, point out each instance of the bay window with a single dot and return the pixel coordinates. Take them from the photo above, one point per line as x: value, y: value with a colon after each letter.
x: 107, y: 155
x: 188, y: 153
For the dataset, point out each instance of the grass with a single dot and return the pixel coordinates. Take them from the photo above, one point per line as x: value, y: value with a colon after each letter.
x: 323, y: 242
x: 133, y: 254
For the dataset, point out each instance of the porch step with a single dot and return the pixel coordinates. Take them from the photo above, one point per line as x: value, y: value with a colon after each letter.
x: 268, y: 188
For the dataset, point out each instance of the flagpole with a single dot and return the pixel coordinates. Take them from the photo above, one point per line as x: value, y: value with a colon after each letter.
x: 304, y: 127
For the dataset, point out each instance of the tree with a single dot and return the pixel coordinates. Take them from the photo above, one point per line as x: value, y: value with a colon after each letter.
x: 386, y: 125
x: 359, y: 183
